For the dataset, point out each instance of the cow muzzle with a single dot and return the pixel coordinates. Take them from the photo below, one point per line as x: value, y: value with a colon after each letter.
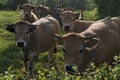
x: 66, y: 28
x: 71, y: 69
x: 20, y: 44
x: 26, y: 15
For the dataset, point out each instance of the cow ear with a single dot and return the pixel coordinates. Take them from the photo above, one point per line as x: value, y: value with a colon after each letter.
x: 90, y: 40
x: 92, y: 43
x: 20, y: 7
x: 58, y: 37
x: 32, y: 28
x: 77, y: 15
x: 10, y: 28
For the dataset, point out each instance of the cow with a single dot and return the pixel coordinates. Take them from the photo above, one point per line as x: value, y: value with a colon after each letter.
x: 71, y: 22
x: 99, y: 43
x: 42, y: 11
x: 35, y: 38
x: 27, y: 13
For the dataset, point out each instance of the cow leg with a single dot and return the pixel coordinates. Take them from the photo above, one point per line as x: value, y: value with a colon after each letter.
x: 50, y: 56
x: 29, y: 64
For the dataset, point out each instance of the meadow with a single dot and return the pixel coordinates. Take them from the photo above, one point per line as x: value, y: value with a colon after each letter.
x: 12, y: 67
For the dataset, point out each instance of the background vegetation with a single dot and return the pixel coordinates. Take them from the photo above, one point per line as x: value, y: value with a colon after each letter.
x: 108, y: 7
x: 11, y: 64
x: 105, y: 7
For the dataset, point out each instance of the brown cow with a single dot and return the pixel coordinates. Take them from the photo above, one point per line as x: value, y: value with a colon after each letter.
x: 72, y: 24
x: 42, y: 11
x: 27, y: 13
x: 35, y: 38
x: 99, y: 43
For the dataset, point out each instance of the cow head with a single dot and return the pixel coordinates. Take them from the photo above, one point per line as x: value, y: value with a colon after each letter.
x: 42, y: 11
x: 68, y: 18
x: 22, y: 30
x: 27, y: 9
x: 75, y: 49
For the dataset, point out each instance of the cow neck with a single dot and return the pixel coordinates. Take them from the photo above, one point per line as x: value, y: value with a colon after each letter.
x: 86, y: 58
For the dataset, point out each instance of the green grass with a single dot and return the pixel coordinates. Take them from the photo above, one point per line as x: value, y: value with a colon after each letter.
x: 8, y: 52
x: 12, y: 68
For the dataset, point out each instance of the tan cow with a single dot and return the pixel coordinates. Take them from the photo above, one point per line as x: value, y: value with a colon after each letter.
x: 99, y: 43
x: 71, y: 23
x: 42, y: 11
x: 35, y: 38
x: 27, y: 13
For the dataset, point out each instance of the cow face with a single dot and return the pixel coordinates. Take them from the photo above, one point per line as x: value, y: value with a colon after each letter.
x: 27, y: 8
x: 22, y: 32
x: 38, y: 10
x: 42, y: 10
x: 74, y: 48
x: 68, y: 18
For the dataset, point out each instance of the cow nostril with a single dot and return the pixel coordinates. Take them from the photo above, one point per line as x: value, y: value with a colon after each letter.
x: 66, y: 27
x: 69, y: 68
x: 26, y: 15
x: 20, y: 44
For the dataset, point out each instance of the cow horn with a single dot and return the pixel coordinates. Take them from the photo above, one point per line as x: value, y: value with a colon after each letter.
x: 90, y: 36
x: 58, y: 37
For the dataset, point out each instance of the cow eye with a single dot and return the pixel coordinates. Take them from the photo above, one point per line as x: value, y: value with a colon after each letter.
x: 63, y: 50
x: 15, y: 32
x: 27, y: 32
x: 81, y: 50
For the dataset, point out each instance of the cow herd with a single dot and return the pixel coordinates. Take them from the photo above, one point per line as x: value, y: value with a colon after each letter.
x: 38, y: 31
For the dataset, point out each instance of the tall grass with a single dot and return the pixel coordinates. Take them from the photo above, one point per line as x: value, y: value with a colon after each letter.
x: 12, y: 67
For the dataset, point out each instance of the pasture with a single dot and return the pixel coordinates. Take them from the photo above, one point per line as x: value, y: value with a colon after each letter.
x: 12, y: 67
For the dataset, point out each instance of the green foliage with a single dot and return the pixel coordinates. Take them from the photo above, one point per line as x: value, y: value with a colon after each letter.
x: 104, y: 72
x: 12, y: 67
x: 91, y: 15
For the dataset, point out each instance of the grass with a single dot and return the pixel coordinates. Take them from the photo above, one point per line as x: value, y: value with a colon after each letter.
x: 12, y: 68
x: 8, y: 50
